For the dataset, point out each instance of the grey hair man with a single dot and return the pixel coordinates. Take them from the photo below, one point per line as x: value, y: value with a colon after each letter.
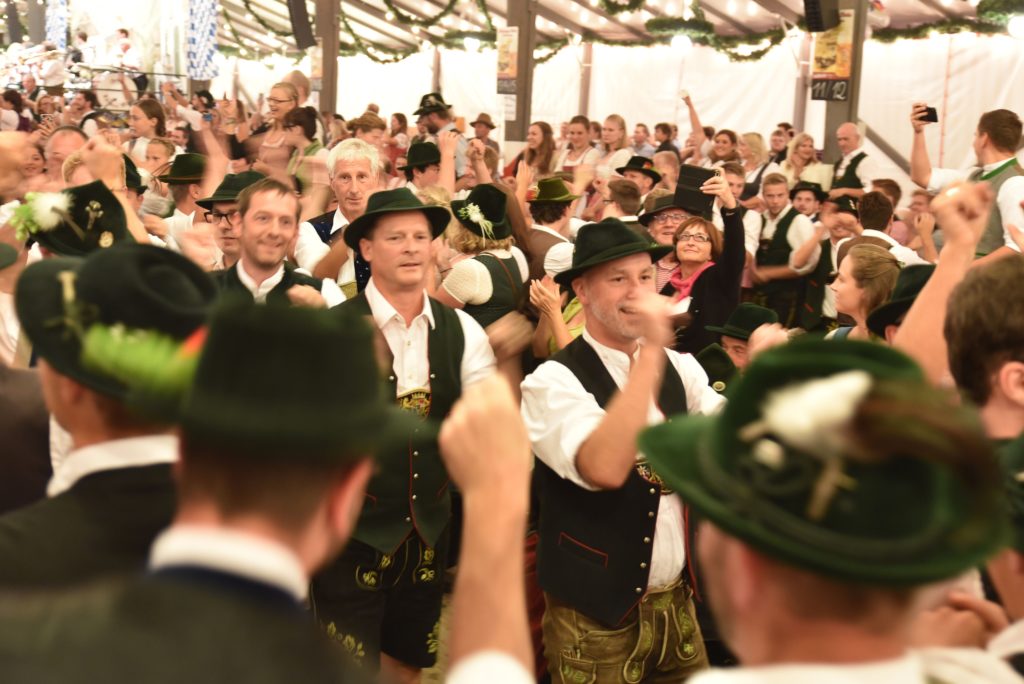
x: 354, y: 169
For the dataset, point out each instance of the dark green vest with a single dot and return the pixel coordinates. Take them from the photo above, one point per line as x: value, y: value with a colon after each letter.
x: 817, y: 281
x: 776, y: 251
x: 410, y: 491
x: 506, y: 287
x: 849, y: 178
x: 992, y: 238
x: 229, y: 282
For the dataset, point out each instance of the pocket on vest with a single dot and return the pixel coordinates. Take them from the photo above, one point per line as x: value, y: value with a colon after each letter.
x: 582, y: 551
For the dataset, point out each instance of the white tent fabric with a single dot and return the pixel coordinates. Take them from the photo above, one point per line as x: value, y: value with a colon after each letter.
x: 961, y: 75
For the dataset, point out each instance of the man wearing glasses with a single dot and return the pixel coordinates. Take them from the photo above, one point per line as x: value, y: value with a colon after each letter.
x: 221, y: 212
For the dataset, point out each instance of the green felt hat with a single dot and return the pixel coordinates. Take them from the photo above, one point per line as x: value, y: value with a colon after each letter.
x: 327, y: 402
x: 483, y: 212
x: 186, y: 168
x: 8, y: 255
x: 642, y: 164
x: 390, y: 202
x: 909, y: 284
x: 229, y: 188
x: 132, y: 177
x: 815, y: 188
x: 421, y: 154
x: 781, y: 470
x: 431, y: 102
x: 716, y: 363
x: 744, y: 320
x: 133, y: 286
x: 660, y: 204
x: 551, y: 190
x: 73, y: 222
x: 599, y: 243
x: 1011, y: 460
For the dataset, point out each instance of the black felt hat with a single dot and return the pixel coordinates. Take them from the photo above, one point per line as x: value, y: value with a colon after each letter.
x: 229, y: 188
x: 641, y: 164
x: 239, y: 401
x: 431, y: 102
x: 909, y: 284
x: 73, y: 222
x: 815, y: 188
x: 131, y: 286
x: 744, y: 320
x: 599, y: 243
x: 132, y: 177
x: 390, y: 202
x: 421, y: 154
x: 483, y: 212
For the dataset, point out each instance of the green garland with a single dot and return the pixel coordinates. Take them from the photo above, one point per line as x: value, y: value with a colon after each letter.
x: 482, y: 5
x: 262, y: 22
x: 888, y: 35
x: 612, y: 7
x: 408, y: 19
x: 390, y: 55
x: 999, y: 12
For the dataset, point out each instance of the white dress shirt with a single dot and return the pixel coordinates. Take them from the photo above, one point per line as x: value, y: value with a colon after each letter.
x: 234, y: 553
x: 460, y: 149
x: 560, y: 415
x: 800, y: 231
x: 132, y: 452
x: 408, y: 343
x: 952, y: 665
x: 329, y: 289
x: 310, y: 249
x: 751, y: 227
x: 906, y: 255
x: 1011, y: 194
x: 867, y: 170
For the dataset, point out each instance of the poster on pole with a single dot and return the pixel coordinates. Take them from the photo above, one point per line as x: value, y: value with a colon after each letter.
x: 833, y: 60
x: 508, y: 58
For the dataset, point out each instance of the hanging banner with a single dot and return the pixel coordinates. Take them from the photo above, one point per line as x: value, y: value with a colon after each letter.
x: 202, y: 39
x: 508, y: 59
x: 57, y: 23
x: 833, y: 60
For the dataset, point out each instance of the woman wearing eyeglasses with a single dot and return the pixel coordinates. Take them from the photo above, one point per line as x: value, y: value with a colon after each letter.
x: 271, y: 144
x: 706, y: 282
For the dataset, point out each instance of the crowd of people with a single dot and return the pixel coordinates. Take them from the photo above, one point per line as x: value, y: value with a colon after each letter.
x: 292, y: 396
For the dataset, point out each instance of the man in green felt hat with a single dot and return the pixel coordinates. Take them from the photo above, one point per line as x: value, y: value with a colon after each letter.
x: 73, y: 222
x: 101, y: 327
x: 269, y: 217
x: 184, y: 180
x: 436, y: 116
x: 488, y: 285
x: 739, y: 327
x: 422, y: 166
x: 613, y: 556
x: 221, y: 211
x: 824, y: 532
x: 552, y: 208
x: 384, y: 591
x: 641, y: 171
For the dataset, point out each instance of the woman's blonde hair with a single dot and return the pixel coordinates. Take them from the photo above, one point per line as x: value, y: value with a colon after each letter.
x: 466, y: 241
x: 621, y: 123
x: 758, y: 151
x: 875, y: 269
x: 796, y: 142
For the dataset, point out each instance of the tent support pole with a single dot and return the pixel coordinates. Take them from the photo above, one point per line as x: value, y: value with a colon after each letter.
x: 522, y: 14
x: 839, y: 112
x: 585, y: 72
x: 328, y: 30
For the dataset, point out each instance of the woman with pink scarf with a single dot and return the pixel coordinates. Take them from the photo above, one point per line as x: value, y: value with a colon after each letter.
x: 706, y: 284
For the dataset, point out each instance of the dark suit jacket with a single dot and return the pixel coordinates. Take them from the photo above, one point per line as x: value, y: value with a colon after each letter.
x: 25, y: 434
x: 100, y: 527
x: 182, y: 625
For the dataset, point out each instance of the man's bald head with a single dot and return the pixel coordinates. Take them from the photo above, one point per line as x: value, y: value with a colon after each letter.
x: 848, y: 137
x: 62, y: 144
x: 12, y: 155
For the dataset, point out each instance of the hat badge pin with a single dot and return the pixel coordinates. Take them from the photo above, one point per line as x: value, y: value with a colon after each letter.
x: 95, y: 212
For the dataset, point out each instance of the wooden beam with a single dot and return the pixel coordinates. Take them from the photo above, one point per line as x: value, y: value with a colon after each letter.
x: 780, y: 8
x: 839, y: 112
x: 328, y: 30
x: 522, y: 14
x: 585, y: 71
x: 382, y: 17
x: 564, y: 22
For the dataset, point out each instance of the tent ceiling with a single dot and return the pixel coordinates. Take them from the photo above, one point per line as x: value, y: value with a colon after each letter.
x: 555, y: 17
